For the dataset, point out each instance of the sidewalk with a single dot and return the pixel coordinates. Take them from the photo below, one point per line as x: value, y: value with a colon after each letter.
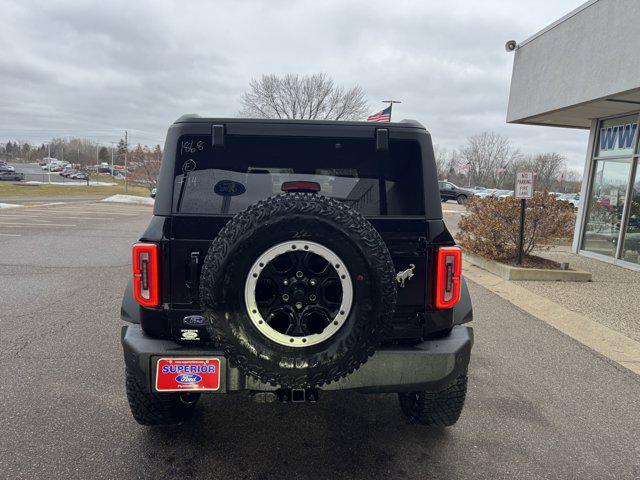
x: 611, y: 299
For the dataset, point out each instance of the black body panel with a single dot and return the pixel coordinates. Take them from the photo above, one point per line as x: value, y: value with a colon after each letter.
x: 428, y: 365
x: 185, y: 238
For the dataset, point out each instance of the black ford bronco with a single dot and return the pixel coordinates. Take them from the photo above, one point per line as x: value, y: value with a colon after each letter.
x: 289, y: 258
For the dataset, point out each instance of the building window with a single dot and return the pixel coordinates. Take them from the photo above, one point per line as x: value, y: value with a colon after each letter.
x: 606, y: 204
x: 604, y: 227
x: 631, y: 249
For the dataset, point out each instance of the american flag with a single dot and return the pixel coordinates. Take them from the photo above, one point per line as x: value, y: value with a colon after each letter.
x: 381, y: 116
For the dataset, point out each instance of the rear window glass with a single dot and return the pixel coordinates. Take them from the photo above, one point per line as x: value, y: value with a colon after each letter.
x: 226, y: 180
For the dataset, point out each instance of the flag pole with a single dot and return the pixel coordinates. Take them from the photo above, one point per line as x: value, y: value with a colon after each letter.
x: 391, y: 102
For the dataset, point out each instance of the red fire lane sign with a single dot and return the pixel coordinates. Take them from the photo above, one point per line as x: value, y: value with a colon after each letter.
x: 524, y: 185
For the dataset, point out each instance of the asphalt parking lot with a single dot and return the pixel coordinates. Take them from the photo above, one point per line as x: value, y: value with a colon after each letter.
x: 540, y: 404
x: 34, y: 172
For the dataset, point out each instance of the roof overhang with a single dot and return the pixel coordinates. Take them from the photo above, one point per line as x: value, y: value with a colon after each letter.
x: 584, y: 66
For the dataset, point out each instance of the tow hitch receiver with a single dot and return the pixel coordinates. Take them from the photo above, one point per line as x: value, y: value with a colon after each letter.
x: 297, y: 395
x: 294, y: 395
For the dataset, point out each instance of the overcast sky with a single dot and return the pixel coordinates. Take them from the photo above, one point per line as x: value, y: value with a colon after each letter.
x: 94, y: 69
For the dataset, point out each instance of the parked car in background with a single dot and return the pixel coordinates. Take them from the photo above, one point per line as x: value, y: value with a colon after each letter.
x: 476, y: 190
x: 503, y: 193
x: 7, y: 168
x: 449, y: 191
x: 55, y: 165
x: 11, y: 176
x: 571, y: 198
x: 486, y: 193
x: 79, y: 176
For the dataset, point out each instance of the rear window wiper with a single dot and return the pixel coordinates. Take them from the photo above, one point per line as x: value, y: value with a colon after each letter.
x: 185, y: 177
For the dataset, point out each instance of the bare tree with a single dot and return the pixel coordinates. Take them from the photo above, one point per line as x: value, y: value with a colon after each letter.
x: 302, y: 96
x: 448, y: 163
x: 146, y: 164
x: 488, y: 156
x: 548, y: 169
x: 440, y: 155
x: 570, y: 181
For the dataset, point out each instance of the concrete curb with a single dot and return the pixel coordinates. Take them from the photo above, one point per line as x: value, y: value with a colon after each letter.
x: 604, y: 340
x: 509, y: 272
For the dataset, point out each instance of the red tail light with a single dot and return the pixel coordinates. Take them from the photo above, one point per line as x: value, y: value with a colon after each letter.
x: 448, y: 277
x: 146, y: 274
x: 300, y: 186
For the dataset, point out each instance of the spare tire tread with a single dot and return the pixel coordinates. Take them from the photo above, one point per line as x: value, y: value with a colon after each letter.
x: 354, y: 225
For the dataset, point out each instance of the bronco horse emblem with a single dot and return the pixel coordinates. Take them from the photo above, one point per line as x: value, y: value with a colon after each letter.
x: 405, y: 275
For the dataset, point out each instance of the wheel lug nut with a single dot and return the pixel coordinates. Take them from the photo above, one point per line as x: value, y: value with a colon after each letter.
x: 285, y: 282
x: 312, y: 282
x: 299, y: 274
x: 312, y: 298
x: 285, y: 297
x: 298, y: 305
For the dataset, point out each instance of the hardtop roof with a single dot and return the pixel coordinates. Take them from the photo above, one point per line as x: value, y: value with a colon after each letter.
x: 194, y: 118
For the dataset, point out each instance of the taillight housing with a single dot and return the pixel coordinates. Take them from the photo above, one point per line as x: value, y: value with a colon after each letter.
x: 448, y: 276
x: 146, y: 274
x: 300, y: 186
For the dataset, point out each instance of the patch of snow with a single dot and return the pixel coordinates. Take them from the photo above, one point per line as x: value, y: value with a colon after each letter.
x: 79, y: 183
x: 10, y: 205
x: 130, y: 199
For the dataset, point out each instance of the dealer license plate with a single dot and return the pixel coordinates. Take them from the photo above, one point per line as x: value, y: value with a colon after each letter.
x: 188, y: 374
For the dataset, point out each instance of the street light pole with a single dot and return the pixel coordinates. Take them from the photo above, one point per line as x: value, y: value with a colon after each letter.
x: 126, y: 150
x: 112, y: 160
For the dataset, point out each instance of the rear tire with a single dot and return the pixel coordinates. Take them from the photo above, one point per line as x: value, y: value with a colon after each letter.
x: 150, y: 408
x: 461, y: 199
x: 443, y: 200
x: 438, y: 409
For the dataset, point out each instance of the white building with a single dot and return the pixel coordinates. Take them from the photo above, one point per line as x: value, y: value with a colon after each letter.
x: 583, y: 71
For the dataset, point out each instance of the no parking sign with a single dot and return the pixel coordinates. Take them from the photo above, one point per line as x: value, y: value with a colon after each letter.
x: 524, y: 185
x: 523, y: 190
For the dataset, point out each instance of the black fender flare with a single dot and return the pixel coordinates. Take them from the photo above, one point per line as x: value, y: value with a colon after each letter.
x: 129, y: 309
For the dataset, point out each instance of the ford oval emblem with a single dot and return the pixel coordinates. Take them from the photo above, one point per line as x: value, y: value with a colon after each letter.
x: 229, y: 188
x: 193, y: 320
x: 188, y: 378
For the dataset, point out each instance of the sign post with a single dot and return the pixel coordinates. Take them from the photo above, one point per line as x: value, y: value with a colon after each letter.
x: 523, y: 190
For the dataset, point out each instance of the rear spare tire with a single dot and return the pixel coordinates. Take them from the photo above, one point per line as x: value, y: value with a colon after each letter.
x: 298, y: 290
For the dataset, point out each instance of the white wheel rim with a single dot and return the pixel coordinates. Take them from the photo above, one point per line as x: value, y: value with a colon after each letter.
x: 336, y: 322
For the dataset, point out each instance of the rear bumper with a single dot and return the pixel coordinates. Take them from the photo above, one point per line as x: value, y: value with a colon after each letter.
x: 429, y: 365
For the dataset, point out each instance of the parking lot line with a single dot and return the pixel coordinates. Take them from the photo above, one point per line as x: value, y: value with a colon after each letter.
x: 16, y: 224
x: 131, y: 214
x: 55, y: 215
x: 93, y: 208
x: 9, y: 235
